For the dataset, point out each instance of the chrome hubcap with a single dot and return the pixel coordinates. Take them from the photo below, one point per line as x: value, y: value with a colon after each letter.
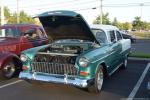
x: 125, y: 63
x: 100, y: 80
x: 9, y: 70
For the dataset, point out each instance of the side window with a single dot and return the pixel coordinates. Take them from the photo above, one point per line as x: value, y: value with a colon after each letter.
x: 31, y: 34
x: 112, y: 36
x: 40, y: 33
x: 10, y: 32
x: 101, y: 37
x: 119, y: 36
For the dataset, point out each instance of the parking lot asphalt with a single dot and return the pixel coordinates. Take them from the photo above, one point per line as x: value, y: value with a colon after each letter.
x: 141, y: 46
x: 117, y: 87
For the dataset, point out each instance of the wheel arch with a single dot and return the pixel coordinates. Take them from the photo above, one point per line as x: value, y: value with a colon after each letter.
x: 6, y: 57
x: 103, y: 64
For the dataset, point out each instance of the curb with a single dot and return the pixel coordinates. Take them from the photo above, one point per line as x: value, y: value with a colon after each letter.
x: 140, y: 59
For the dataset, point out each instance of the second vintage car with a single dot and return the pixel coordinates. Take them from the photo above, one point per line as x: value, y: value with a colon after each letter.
x: 79, y: 55
x: 15, y: 38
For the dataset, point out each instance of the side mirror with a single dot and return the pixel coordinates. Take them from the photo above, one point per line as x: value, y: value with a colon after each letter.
x: 114, y: 41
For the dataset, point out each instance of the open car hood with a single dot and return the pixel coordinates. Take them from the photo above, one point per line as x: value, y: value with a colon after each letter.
x: 65, y: 25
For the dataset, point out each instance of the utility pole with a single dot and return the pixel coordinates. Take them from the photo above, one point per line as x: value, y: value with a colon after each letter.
x: 101, y: 11
x: 18, y: 13
x: 2, y: 13
x: 141, y: 5
x: 2, y: 18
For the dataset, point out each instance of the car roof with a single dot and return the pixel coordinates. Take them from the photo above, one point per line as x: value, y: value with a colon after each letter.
x: 103, y: 27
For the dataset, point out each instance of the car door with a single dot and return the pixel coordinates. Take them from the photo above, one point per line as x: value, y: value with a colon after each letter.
x: 119, y: 39
x: 30, y: 38
x: 113, y: 51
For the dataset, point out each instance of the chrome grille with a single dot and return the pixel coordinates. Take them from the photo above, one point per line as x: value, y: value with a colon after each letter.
x: 54, y: 68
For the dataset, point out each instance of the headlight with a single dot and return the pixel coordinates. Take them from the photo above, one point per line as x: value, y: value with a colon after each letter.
x: 23, y: 58
x: 83, y: 62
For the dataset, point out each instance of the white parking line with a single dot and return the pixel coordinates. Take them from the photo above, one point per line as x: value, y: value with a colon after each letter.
x: 10, y: 84
x: 135, y: 89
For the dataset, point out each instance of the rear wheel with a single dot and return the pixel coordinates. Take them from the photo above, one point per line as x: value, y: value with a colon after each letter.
x: 98, y: 83
x: 124, y: 65
x: 8, y: 70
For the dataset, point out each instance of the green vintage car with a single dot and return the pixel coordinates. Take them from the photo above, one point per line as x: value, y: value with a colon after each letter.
x: 77, y: 55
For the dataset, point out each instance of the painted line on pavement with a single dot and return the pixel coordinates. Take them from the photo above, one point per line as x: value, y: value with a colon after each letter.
x: 137, y: 86
x: 10, y: 84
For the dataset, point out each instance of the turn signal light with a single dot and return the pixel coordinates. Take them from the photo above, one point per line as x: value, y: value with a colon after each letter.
x: 24, y: 68
x: 83, y: 73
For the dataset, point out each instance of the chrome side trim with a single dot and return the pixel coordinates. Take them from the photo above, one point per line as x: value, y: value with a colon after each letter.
x: 82, y: 83
x: 115, y: 69
x: 104, y: 57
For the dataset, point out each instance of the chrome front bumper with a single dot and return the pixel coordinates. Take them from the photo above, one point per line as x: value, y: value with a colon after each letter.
x: 55, y: 79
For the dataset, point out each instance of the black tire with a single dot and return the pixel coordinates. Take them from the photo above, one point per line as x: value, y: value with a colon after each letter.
x: 98, y: 82
x: 124, y: 65
x: 8, y: 71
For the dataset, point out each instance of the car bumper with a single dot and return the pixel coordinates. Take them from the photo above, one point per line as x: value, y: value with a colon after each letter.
x: 82, y: 83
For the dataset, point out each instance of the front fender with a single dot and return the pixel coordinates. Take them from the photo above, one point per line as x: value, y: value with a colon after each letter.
x: 5, y: 57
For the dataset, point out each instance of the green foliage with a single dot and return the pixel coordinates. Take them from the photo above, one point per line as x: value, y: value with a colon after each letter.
x: 12, y: 17
x: 139, y: 55
x: 123, y: 26
x: 105, y: 19
x: 127, y: 26
x: 137, y: 23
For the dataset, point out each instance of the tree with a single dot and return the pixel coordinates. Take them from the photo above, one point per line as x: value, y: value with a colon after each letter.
x: 6, y: 12
x: 105, y: 19
x: 12, y: 17
x: 137, y: 23
x: 24, y: 18
x: 115, y: 22
x: 127, y: 26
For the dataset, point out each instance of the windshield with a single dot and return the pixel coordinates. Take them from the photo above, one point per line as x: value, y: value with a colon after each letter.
x: 8, y: 32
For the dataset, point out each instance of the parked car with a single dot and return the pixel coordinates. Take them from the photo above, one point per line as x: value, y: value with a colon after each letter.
x: 128, y: 36
x: 78, y: 55
x: 15, y: 38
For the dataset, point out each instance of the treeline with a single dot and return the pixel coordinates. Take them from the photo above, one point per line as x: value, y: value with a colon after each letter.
x: 136, y: 24
x: 11, y: 18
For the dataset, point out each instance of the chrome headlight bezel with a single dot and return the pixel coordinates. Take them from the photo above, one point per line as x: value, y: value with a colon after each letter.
x: 23, y: 57
x: 83, y: 62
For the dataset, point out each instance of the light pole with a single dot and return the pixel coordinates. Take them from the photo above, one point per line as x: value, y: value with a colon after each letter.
x: 2, y: 13
x: 18, y: 13
x: 101, y: 12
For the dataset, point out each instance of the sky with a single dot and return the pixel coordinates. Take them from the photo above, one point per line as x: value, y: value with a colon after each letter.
x: 123, y: 10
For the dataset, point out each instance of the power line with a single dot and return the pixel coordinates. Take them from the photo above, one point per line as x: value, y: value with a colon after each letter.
x: 93, y: 1
x: 56, y: 4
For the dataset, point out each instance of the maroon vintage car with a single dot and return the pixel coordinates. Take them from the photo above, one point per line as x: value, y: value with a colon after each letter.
x: 15, y: 38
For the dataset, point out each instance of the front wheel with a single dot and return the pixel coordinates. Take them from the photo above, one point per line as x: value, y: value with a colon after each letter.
x: 8, y: 70
x: 98, y: 83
